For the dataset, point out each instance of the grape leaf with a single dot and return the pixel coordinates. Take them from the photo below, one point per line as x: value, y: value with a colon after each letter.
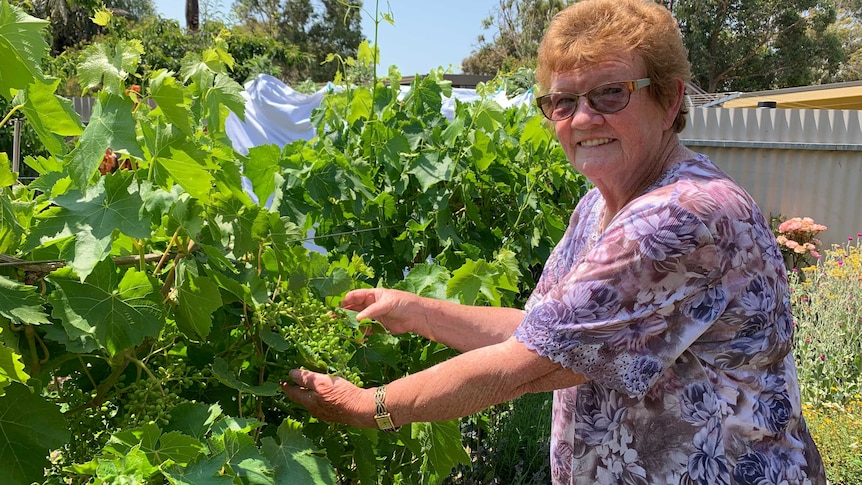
x: 117, y: 317
x: 7, y: 178
x: 224, y: 93
x: 159, y: 447
x: 442, y: 449
x: 22, y: 47
x: 51, y: 116
x: 193, y: 419
x: 21, y: 303
x: 203, y: 471
x: 109, y: 66
x: 429, y: 168
x: 92, y: 217
x: 222, y: 372
x: 10, y: 229
x: 426, y: 280
x: 293, y: 457
x: 11, y: 368
x: 197, y: 298
x: 111, y: 126
x: 31, y: 427
x: 246, y: 460
x: 260, y: 167
x: 471, y: 279
x: 170, y: 100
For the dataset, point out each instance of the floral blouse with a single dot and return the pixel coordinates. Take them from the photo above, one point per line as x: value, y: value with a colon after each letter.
x: 679, y: 314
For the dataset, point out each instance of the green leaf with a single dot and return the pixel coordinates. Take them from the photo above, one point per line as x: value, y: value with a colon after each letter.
x: 227, y: 93
x: 102, y: 64
x: 10, y: 229
x: 202, y: 471
x: 335, y: 283
x: 188, y: 173
x: 428, y: 280
x: 471, y: 279
x: 102, y: 17
x: 11, y: 368
x: 430, y: 169
x: 31, y: 427
x: 224, y: 374
x: 51, y: 116
x: 442, y: 449
x: 294, y: 457
x: 111, y: 126
x: 22, y: 47
x: 246, y: 460
x: 92, y: 217
x: 160, y: 448
x: 116, y: 316
x: 170, y: 100
x: 197, y: 298
x: 260, y: 167
x: 7, y: 178
x: 21, y: 303
x: 194, y: 419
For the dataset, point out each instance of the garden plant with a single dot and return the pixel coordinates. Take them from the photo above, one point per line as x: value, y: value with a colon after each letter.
x: 827, y: 307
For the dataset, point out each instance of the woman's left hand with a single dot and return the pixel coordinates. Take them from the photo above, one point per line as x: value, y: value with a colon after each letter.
x: 331, y: 398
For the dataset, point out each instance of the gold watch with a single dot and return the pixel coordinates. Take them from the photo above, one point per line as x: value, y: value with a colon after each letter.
x: 382, y: 416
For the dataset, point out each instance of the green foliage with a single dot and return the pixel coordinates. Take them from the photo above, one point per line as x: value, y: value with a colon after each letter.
x: 837, y: 430
x: 320, y: 30
x: 510, y: 443
x: 149, y: 313
x: 758, y: 45
x: 828, y: 317
x: 21, y: 48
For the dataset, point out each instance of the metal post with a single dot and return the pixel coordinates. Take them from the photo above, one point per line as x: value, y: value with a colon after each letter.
x: 16, y: 146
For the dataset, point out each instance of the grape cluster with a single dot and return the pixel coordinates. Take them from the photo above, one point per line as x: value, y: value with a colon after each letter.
x: 89, y: 424
x: 318, y: 337
x: 149, y: 400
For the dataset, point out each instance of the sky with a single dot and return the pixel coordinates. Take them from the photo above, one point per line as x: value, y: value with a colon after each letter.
x: 427, y: 33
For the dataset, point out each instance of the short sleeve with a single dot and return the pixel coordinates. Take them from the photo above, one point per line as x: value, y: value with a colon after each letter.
x: 635, y: 301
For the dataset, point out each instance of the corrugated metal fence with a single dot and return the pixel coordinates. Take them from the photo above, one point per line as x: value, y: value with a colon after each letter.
x: 794, y: 162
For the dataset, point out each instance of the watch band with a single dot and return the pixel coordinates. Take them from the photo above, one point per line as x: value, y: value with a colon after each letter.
x: 382, y: 416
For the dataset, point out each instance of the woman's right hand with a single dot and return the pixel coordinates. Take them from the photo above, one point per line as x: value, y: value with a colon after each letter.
x: 396, y: 310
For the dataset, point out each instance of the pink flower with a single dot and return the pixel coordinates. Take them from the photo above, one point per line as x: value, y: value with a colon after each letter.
x: 822, y: 357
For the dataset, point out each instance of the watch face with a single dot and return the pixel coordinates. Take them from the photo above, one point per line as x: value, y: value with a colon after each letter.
x: 384, y: 421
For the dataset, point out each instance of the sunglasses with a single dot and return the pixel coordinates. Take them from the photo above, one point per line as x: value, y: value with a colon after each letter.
x: 606, y: 99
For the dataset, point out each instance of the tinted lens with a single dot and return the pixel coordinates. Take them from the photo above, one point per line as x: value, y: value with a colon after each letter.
x: 609, y: 98
x: 558, y: 106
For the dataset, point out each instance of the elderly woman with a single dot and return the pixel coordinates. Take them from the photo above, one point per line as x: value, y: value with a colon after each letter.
x: 662, y: 318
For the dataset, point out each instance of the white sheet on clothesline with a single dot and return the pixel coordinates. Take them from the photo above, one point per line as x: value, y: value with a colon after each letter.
x: 277, y: 114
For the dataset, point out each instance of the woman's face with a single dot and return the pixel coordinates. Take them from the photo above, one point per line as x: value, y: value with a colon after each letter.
x: 615, y: 151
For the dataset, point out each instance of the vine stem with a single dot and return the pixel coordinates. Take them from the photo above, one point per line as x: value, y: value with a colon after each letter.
x: 9, y: 115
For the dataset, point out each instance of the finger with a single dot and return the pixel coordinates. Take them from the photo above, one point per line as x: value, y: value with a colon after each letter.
x: 303, y: 378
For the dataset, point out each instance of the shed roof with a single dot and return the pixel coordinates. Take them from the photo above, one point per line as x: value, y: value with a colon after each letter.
x: 846, y: 95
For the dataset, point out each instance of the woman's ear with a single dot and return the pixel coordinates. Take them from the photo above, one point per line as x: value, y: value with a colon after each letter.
x: 673, y: 107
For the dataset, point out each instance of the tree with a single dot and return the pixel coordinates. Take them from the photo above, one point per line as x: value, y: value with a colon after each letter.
x: 193, y: 18
x: 319, y: 29
x: 759, y: 44
x: 519, y: 25
x: 848, y: 28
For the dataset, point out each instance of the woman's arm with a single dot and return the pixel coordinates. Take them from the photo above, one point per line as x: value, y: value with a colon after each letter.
x: 455, y: 388
x: 461, y: 327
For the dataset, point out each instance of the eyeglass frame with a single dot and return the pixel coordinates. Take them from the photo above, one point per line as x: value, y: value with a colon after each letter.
x: 632, y: 86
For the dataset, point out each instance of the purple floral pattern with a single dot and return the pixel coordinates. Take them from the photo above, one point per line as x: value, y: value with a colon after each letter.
x: 679, y: 315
